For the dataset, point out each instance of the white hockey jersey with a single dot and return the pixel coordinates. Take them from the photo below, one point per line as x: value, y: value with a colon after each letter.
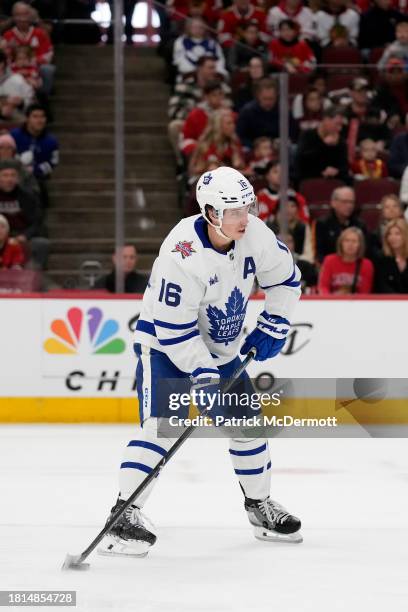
x: 195, y: 303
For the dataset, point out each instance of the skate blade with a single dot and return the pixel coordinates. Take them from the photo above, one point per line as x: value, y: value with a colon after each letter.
x: 273, y: 536
x: 112, y: 547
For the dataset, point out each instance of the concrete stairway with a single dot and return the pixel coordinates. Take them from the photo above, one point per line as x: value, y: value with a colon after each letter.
x: 81, y: 215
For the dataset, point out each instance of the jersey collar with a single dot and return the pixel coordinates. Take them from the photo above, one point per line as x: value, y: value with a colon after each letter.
x: 200, y: 226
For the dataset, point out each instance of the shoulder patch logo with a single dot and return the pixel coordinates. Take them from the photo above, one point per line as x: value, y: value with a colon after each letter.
x: 184, y: 247
x: 213, y: 280
x: 226, y: 326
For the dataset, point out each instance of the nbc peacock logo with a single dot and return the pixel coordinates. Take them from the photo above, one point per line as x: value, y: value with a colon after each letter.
x: 84, y: 332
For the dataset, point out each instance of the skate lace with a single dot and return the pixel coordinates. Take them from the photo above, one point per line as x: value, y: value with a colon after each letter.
x: 273, y: 511
x: 136, y: 517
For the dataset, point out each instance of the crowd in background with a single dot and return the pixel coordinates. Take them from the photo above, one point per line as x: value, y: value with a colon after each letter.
x: 348, y: 151
x: 347, y: 61
x: 28, y: 151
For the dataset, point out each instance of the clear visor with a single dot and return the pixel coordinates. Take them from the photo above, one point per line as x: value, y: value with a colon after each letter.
x: 242, y: 211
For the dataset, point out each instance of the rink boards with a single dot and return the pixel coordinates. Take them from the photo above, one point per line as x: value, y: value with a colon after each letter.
x: 71, y: 360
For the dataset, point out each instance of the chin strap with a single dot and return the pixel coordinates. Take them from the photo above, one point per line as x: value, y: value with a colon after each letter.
x: 217, y: 228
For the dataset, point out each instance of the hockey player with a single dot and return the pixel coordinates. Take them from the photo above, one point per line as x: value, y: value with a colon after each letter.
x: 190, y: 329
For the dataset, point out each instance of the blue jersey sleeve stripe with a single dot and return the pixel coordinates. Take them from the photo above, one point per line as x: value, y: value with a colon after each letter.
x: 198, y: 371
x: 170, y: 341
x: 136, y: 466
x: 253, y: 451
x: 287, y: 282
x: 149, y: 445
x: 282, y: 246
x: 145, y: 326
x: 175, y: 325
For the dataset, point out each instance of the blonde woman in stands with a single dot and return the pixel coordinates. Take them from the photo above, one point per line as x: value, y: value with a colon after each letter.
x: 218, y: 144
x: 391, y: 270
x: 391, y: 209
x: 347, y: 271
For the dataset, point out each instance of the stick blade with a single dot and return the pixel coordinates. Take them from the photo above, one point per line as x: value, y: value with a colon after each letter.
x: 73, y: 562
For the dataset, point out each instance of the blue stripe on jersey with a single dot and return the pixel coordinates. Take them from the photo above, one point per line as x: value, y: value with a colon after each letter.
x: 287, y: 282
x: 252, y: 472
x: 145, y: 326
x: 179, y: 339
x: 137, y: 466
x: 174, y: 325
x: 282, y: 246
x: 198, y: 371
x: 149, y: 446
x: 253, y: 451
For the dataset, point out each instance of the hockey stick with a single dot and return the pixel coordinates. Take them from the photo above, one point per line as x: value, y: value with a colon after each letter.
x: 77, y: 561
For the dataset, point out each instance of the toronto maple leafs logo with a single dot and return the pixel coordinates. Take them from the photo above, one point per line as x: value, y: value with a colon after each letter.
x: 184, y: 247
x: 226, y: 326
x: 207, y: 179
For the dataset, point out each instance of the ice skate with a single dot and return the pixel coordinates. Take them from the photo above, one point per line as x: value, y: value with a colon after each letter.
x: 130, y: 536
x: 272, y: 522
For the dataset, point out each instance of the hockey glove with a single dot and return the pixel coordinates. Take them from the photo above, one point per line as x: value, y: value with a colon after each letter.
x: 268, y: 337
x: 206, y: 395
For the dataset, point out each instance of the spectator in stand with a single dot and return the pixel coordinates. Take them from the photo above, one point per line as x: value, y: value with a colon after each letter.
x: 294, y: 10
x: 311, y: 110
x: 391, y: 270
x: 25, y: 33
x: 404, y: 191
x: 235, y: 17
x: 289, y: 53
x: 340, y: 217
x: 268, y: 197
x: 354, y: 100
x: 249, y: 45
x: 193, y: 45
x: 187, y: 95
x: 339, y: 36
x: 368, y: 165
x: 247, y: 89
x: 398, y: 49
x: 307, y: 269
x: 135, y: 282
x: 24, y: 215
x: 37, y: 148
x: 11, y: 253
x: 316, y: 81
x: 377, y: 25
x: 322, y: 152
x: 25, y: 63
x: 337, y: 12
x: 8, y: 150
x: 261, y: 116
x: 299, y: 230
x: 263, y: 153
x: 373, y: 127
x: 219, y: 144
x: 14, y: 88
x: 392, y: 94
x: 391, y: 209
x: 178, y: 10
x: 347, y: 270
x: 197, y: 119
x: 189, y: 92
x: 398, y: 159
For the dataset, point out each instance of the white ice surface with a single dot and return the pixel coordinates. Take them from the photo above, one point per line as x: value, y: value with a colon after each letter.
x: 58, y: 483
